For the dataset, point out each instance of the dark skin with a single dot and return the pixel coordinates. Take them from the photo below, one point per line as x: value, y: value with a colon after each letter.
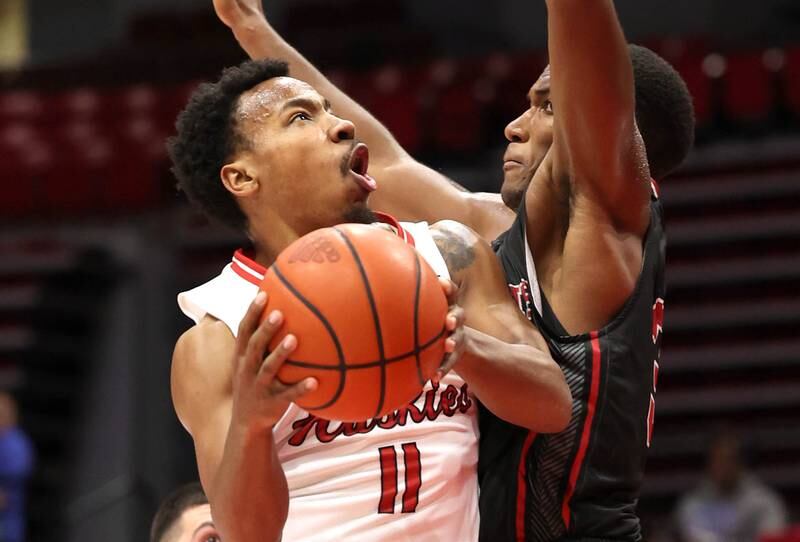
x: 576, y: 154
x: 289, y: 180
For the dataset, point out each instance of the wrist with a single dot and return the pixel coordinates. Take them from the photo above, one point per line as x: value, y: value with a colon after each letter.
x: 250, y: 30
x: 249, y: 428
x: 472, y: 352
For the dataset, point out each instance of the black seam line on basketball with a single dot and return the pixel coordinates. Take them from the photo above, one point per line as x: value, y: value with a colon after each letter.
x: 417, y: 278
x: 339, y: 352
x: 375, y: 318
x: 366, y: 364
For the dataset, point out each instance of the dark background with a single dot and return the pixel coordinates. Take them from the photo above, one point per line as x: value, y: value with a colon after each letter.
x: 96, y: 242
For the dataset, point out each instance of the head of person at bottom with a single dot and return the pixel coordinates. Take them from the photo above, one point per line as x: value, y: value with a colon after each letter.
x: 184, y: 516
x: 664, y: 116
x: 726, y: 460
x: 263, y: 153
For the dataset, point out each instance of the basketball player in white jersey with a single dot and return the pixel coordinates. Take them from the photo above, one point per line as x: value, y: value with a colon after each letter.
x: 264, y: 153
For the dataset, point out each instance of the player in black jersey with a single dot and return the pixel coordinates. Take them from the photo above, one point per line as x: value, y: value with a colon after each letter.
x: 585, y: 258
x: 577, y: 174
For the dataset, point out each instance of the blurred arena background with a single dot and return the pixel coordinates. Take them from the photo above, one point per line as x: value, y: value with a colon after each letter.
x: 96, y: 241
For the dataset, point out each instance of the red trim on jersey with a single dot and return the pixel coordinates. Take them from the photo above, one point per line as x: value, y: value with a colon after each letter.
x: 587, y: 429
x: 655, y: 189
x: 521, y: 486
x: 247, y: 268
x: 392, y: 221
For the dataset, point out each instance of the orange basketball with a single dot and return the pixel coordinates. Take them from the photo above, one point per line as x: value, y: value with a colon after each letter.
x: 368, y: 313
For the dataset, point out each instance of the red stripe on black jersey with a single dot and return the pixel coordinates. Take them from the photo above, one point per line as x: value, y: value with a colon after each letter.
x: 586, y: 434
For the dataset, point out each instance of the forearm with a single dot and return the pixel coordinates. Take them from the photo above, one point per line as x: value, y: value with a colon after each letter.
x: 592, y: 85
x: 250, y: 497
x: 517, y: 382
x: 261, y: 40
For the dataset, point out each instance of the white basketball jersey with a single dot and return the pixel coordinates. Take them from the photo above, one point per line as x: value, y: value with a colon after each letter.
x: 408, y: 476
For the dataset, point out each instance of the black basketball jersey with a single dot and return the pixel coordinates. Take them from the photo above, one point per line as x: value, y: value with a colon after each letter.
x: 582, y: 483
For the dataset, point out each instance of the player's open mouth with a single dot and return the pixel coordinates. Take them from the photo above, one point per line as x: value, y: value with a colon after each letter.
x: 358, y: 165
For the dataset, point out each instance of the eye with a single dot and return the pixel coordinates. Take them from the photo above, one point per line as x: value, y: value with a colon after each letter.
x: 207, y: 534
x: 547, y: 107
x: 300, y: 116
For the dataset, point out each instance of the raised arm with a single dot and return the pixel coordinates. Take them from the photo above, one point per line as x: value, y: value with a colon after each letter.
x: 407, y: 189
x: 225, y: 395
x: 588, y: 203
x: 596, y: 143
x: 505, y: 360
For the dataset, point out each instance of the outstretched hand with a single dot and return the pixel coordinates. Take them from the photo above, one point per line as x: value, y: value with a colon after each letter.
x: 240, y: 13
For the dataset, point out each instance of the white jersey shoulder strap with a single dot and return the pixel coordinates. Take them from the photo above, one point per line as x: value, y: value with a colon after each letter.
x: 227, y: 296
x: 422, y: 240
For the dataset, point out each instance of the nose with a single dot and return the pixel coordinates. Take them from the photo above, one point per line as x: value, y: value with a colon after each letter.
x: 516, y: 132
x: 342, y: 130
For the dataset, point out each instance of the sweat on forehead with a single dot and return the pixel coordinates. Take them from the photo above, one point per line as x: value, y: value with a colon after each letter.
x: 266, y: 97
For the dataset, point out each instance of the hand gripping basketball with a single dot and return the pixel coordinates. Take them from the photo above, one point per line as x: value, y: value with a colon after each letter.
x: 454, y: 324
x: 260, y: 399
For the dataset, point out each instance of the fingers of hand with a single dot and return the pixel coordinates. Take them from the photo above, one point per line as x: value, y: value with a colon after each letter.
x: 272, y: 363
x: 455, y: 318
x: 259, y: 341
x: 295, y: 391
x: 450, y: 290
x: 250, y: 321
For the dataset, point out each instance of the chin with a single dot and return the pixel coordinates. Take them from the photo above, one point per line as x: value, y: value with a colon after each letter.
x: 512, y: 197
x: 360, y: 214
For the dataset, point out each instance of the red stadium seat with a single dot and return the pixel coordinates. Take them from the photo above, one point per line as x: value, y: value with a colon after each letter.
x: 748, y: 91
x: 20, y: 106
x: 393, y: 99
x: 792, y: 79
x: 453, y: 110
x: 699, y: 83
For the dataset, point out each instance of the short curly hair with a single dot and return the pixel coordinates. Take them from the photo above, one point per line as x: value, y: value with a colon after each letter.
x: 207, y: 136
x: 664, y: 111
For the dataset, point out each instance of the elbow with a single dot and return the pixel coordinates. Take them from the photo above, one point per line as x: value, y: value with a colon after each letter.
x: 562, y: 413
x: 557, y: 409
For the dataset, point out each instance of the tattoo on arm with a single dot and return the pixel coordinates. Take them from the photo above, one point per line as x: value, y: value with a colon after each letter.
x: 457, y: 252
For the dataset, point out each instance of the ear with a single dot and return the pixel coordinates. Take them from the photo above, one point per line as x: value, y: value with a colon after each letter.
x: 238, y: 179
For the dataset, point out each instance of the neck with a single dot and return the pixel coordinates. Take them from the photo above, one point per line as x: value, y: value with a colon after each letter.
x: 271, y: 240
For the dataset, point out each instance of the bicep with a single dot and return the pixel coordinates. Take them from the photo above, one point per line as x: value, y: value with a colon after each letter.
x: 201, y: 394
x: 209, y: 436
x: 489, y: 306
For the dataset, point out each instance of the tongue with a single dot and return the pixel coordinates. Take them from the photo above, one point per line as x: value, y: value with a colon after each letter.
x: 367, y: 182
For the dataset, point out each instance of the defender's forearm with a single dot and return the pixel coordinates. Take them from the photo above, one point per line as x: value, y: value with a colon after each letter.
x: 517, y: 382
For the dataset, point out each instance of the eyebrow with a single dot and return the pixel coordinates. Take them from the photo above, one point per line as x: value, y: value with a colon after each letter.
x: 307, y: 103
x: 203, y: 525
x: 538, y: 93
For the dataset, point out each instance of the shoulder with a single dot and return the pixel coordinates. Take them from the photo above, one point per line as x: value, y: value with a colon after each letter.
x: 461, y: 247
x: 202, y: 368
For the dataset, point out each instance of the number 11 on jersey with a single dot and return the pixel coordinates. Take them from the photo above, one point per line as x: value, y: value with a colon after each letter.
x: 389, y: 475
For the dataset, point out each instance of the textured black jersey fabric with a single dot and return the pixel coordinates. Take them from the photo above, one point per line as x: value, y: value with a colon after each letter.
x: 582, y: 483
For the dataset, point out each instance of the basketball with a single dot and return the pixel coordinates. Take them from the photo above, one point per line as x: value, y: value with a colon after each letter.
x: 369, y: 316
